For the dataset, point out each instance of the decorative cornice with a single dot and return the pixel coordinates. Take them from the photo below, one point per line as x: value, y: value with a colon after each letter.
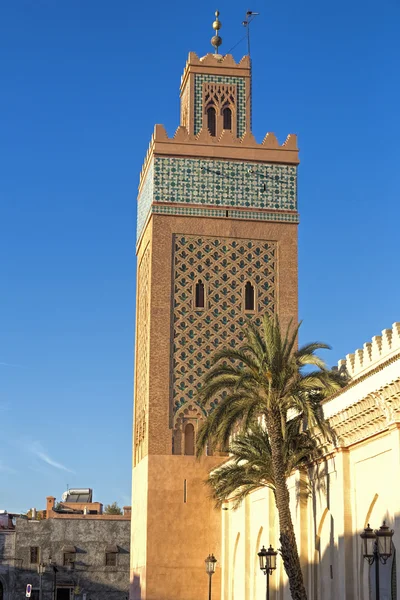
x: 370, y: 403
x: 203, y: 145
x: 372, y: 415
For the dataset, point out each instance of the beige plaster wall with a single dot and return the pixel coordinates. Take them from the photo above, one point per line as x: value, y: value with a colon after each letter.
x: 353, y: 486
x: 181, y: 529
x: 139, y: 531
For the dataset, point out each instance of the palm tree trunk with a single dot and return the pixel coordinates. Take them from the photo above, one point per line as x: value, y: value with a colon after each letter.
x: 287, y: 538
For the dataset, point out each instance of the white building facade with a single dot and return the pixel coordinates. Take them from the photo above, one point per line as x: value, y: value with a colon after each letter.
x: 356, y: 483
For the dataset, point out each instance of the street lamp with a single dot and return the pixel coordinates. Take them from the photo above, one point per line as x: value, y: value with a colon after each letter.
x: 53, y: 565
x: 210, y: 570
x: 377, y: 546
x: 40, y: 569
x: 267, y: 563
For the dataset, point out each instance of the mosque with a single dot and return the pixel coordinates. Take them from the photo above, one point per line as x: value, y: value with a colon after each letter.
x: 217, y: 244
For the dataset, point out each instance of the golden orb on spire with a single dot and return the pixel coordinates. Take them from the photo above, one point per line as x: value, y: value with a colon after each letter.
x: 217, y: 23
x: 216, y: 40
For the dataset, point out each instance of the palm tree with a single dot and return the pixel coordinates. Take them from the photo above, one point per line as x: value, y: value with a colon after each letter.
x: 268, y: 378
x: 250, y: 462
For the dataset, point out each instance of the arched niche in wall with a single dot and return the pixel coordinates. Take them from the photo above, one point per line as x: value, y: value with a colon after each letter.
x: 199, y: 295
x: 189, y: 439
x: 325, y: 557
x: 212, y: 120
x: 227, y: 118
x: 234, y: 567
x: 249, y: 297
x: 258, y: 583
x: 375, y: 515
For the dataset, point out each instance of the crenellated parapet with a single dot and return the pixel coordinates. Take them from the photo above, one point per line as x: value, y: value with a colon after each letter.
x: 220, y: 61
x: 218, y: 177
x: 225, y: 147
x: 380, y: 349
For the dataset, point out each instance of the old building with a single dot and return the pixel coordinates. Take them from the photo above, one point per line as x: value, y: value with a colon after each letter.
x: 84, y: 553
x: 356, y: 483
x: 216, y: 243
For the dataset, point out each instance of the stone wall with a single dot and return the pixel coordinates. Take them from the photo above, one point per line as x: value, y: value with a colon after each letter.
x: 90, y: 578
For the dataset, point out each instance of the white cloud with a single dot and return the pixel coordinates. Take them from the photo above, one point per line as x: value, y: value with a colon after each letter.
x: 36, y: 448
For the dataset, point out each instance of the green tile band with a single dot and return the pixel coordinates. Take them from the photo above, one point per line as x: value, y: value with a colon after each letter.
x: 219, y: 185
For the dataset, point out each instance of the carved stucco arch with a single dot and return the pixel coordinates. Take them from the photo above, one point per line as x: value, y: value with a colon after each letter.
x: 189, y: 412
x: 256, y: 561
x: 317, y: 552
x: 234, y: 565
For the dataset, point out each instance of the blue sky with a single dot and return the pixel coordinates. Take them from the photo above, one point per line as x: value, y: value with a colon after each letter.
x: 82, y: 85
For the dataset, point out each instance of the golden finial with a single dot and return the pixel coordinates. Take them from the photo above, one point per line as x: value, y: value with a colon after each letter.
x: 216, y: 41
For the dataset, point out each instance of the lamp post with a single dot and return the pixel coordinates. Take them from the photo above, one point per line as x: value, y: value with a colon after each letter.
x: 267, y: 563
x: 40, y: 569
x: 53, y: 565
x: 377, y: 547
x: 210, y: 569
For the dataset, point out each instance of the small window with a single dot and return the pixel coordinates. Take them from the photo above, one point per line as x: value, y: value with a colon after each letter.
x: 199, y: 299
x: 69, y: 559
x: 249, y: 296
x: 211, y: 120
x: 34, y: 555
x: 189, y: 440
x: 111, y: 559
x: 227, y: 118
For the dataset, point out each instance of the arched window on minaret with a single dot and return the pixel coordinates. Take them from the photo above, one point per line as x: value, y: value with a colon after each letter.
x: 211, y: 120
x: 227, y: 118
x: 199, y: 295
x: 189, y: 439
x: 249, y: 296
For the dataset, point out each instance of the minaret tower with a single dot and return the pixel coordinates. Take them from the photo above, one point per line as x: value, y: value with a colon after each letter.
x: 216, y: 244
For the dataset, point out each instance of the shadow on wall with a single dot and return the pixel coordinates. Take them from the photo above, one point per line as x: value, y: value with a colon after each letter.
x: 70, y: 584
x: 135, y: 590
x: 325, y: 581
x: 336, y: 568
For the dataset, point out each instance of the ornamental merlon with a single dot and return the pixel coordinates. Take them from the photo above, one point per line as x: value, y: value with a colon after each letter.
x: 226, y: 146
x: 381, y: 349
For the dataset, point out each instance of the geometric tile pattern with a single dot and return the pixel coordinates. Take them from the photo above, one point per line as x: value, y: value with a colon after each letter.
x: 240, y: 102
x: 224, y: 265
x: 142, y: 361
x: 219, y: 183
x: 225, y: 183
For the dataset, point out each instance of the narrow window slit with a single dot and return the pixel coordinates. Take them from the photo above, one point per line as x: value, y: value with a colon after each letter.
x: 211, y: 120
x: 227, y: 118
x: 249, y: 296
x: 199, y: 295
x: 189, y: 439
